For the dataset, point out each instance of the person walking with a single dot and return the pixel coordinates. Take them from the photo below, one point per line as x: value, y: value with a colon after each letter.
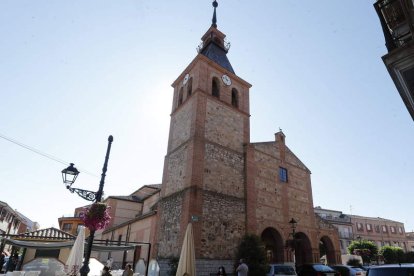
x: 242, y: 269
x: 105, y: 271
x: 221, y: 271
x: 128, y: 270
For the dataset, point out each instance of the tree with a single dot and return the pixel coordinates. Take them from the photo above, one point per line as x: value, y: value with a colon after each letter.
x: 251, y: 249
x: 392, y: 254
x: 366, y: 249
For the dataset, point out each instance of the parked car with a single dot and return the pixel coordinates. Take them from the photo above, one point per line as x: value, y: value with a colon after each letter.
x: 391, y: 270
x: 316, y: 270
x: 281, y: 270
x: 347, y: 270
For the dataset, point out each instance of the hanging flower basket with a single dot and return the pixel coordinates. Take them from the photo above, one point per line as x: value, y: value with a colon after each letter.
x: 96, y: 216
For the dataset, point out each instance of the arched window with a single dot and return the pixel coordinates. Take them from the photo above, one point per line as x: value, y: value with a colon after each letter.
x: 180, y: 97
x: 190, y: 87
x: 215, y: 90
x: 234, y: 98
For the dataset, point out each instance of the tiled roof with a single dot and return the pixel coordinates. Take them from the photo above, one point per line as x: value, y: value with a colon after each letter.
x: 218, y: 55
x: 46, y: 234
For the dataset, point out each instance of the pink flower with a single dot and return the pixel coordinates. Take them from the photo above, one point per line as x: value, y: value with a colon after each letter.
x: 96, y: 216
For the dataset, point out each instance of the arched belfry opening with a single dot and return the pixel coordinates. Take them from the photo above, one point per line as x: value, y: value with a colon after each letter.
x: 180, y: 97
x: 190, y: 87
x: 327, y: 250
x: 235, y: 98
x: 215, y: 88
x: 273, y: 245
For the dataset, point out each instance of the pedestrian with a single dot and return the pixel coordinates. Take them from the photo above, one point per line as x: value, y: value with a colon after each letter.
x: 105, y: 271
x: 2, y: 256
x: 109, y: 263
x: 128, y: 270
x: 242, y: 269
x: 12, y: 263
x: 221, y: 271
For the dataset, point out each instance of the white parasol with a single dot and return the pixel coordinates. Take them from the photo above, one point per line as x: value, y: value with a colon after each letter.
x: 74, y: 262
x: 186, y: 265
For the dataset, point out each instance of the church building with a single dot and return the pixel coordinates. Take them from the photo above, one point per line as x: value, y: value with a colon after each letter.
x: 227, y: 186
x: 221, y: 182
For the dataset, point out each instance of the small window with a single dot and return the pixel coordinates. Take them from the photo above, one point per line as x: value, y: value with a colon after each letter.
x: 360, y: 227
x: 283, y: 174
x: 377, y: 228
x: 180, y: 97
x: 190, y: 87
x: 234, y: 98
x: 369, y: 227
x: 392, y: 228
x: 67, y: 227
x: 119, y: 239
x: 400, y: 230
x: 384, y: 229
x: 215, y: 90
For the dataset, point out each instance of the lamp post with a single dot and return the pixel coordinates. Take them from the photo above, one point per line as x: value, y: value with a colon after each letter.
x: 69, y: 176
x: 293, y: 224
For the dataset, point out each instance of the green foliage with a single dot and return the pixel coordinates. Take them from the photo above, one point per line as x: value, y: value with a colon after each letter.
x: 366, y: 249
x: 354, y: 262
x: 392, y: 254
x: 251, y: 249
x: 408, y: 257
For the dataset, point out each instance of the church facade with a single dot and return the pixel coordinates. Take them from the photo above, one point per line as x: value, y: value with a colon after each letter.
x: 226, y: 186
x: 221, y: 182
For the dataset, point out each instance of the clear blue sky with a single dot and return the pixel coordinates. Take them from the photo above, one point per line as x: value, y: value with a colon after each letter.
x: 73, y: 72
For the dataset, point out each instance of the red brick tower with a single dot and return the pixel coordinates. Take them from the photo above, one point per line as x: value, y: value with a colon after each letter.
x: 204, y: 169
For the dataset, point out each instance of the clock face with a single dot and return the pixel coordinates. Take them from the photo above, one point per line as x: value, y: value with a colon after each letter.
x: 226, y: 79
x: 186, y: 78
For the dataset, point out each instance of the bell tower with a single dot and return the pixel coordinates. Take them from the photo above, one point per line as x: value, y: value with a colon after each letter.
x: 204, y: 168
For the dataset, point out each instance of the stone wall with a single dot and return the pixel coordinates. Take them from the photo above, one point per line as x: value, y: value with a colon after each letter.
x: 223, y: 171
x: 223, y: 225
x: 169, y: 227
x: 224, y: 125
x: 181, y: 125
x: 177, y: 167
x: 276, y: 201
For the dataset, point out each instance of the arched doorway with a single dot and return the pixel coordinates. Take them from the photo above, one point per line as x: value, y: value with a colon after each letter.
x: 273, y: 245
x: 327, y: 249
x: 303, y: 249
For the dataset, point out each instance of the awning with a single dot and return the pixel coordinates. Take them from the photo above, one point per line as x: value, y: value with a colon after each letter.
x: 39, y: 244
x: 57, y: 245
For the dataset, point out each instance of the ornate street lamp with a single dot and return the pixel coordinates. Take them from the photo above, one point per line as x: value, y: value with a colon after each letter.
x: 291, y: 243
x: 293, y: 224
x: 69, y: 176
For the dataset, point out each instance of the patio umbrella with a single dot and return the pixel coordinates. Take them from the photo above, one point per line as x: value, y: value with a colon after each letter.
x: 74, y: 262
x: 186, y: 265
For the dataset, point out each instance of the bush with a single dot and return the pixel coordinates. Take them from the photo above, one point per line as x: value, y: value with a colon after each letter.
x: 366, y: 249
x: 251, y: 249
x: 392, y: 254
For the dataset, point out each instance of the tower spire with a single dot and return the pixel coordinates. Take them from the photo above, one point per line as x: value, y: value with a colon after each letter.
x: 214, y: 21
